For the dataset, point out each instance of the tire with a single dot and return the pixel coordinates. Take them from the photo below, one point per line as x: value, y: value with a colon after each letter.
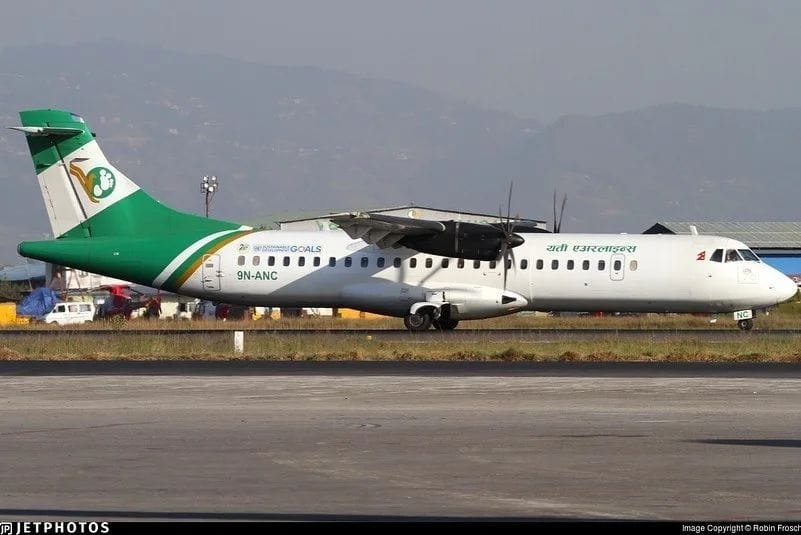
x: 445, y: 324
x: 745, y: 325
x: 417, y: 322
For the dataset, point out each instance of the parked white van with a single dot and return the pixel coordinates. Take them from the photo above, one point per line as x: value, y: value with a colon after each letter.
x: 70, y: 314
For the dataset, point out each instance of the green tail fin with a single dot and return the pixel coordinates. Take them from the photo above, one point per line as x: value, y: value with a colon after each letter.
x: 86, y: 196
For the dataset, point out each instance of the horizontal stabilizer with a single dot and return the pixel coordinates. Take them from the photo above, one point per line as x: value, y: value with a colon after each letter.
x: 46, y: 130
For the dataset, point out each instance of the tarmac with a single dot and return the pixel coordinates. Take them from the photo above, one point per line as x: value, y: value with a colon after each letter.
x: 404, y: 441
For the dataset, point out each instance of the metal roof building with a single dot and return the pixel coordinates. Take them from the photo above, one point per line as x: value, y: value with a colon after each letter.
x: 778, y: 243
x: 317, y: 221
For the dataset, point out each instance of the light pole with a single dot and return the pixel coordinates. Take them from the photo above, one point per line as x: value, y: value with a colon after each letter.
x: 208, y: 186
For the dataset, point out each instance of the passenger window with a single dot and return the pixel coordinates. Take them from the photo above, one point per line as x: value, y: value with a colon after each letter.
x: 585, y: 265
x: 286, y: 260
x: 73, y: 308
x: 348, y: 261
x: 493, y: 263
x: 240, y: 261
x: 85, y: 308
x: 460, y: 263
x: 380, y: 262
x: 540, y: 264
x: 476, y: 264
x: 365, y: 261
x: 617, y: 265
x: 332, y: 262
x: 316, y: 261
x: 732, y: 255
x: 445, y: 263
x: 524, y: 264
x: 601, y: 265
x: 633, y: 265
x: 256, y: 260
x: 570, y: 264
x: 429, y: 263
x: 270, y: 260
x: 301, y: 261
x: 61, y: 308
x: 396, y: 262
x: 717, y: 256
x: 412, y: 262
x: 554, y: 264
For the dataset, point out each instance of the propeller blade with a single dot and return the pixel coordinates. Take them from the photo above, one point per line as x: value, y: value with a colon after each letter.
x: 504, y: 251
x: 561, y: 214
x: 509, y: 210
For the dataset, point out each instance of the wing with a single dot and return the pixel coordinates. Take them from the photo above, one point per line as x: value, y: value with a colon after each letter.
x: 385, y: 230
x: 453, y: 239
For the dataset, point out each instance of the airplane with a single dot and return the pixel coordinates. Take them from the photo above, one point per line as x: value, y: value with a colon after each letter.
x: 430, y: 273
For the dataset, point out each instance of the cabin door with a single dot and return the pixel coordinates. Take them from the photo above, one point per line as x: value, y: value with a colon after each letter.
x: 211, y: 272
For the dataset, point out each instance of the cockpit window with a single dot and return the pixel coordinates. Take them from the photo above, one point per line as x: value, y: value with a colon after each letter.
x: 732, y: 255
x: 748, y: 255
x: 717, y: 256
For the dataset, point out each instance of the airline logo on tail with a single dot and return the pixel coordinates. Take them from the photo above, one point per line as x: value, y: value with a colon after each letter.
x: 98, y: 183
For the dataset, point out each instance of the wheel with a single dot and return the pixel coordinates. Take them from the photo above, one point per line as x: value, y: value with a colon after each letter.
x: 445, y: 324
x: 417, y: 322
x: 745, y: 325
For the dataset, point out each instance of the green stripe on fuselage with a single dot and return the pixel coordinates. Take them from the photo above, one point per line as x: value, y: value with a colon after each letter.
x: 185, y: 270
x: 138, y: 260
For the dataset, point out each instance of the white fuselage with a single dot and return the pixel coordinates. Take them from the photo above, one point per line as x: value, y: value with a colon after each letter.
x: 579, y: 272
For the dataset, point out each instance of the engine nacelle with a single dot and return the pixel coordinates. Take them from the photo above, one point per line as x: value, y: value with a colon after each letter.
x: 462, y: 240
x: 470, y: 302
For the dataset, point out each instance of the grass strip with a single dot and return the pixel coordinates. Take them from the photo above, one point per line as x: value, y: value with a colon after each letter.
x: 219, y: 346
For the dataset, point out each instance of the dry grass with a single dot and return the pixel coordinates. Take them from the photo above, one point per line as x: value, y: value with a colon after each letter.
x: 219, y: 346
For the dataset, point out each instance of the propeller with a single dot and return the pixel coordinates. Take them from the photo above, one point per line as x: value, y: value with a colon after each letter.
x: 510, y: 239
x: 557, y: 221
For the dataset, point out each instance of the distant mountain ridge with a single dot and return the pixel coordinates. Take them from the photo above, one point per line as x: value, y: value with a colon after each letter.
x: 301, y: 138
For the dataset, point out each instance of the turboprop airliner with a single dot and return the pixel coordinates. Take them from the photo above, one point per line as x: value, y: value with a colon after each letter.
x: 431, y: 273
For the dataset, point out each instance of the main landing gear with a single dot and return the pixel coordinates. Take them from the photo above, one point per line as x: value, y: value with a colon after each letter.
x: 422, y: 320
x: 745, y: 325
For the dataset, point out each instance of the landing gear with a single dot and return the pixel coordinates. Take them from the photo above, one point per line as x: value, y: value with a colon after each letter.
x: 417, y: 322
x: 445, y: 324
x: 746, y: 325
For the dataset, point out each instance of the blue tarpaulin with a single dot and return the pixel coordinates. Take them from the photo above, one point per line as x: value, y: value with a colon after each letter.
x: 38, y: 303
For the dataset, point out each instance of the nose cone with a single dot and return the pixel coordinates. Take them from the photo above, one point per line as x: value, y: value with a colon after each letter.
x: 515, y: 240
x: 786, y: 288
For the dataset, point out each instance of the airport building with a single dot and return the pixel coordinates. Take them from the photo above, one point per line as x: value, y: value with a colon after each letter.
x: 778, y: 244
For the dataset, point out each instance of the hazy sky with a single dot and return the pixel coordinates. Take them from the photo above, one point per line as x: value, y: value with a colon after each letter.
x: 536, y: 58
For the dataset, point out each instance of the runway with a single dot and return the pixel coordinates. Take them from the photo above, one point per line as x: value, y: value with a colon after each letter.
x: 406, y: 441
